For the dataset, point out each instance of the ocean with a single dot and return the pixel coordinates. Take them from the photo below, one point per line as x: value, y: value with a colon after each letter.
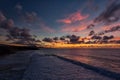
x: 108, y: 59
x: 45, y: 63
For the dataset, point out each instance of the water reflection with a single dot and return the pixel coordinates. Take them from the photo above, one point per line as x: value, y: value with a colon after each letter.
x: 104, y: 58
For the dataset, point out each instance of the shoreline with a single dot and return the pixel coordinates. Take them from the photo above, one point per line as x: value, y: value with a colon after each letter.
x: 99, y: 70
x: 10, y: 49
x: 35, y: 65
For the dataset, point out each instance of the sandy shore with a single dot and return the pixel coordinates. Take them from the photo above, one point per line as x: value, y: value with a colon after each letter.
x: 33, y: 66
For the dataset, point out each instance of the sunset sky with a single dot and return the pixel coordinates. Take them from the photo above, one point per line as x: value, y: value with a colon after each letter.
x: 50, y: 18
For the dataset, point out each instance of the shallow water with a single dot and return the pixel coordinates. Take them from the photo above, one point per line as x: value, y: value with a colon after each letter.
x: 108, y: 59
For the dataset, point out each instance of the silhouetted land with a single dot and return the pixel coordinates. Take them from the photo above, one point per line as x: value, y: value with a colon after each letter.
x: 8, y: 49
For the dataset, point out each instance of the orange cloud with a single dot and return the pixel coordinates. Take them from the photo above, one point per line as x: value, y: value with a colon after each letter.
x: 116, y: 38
x: 77, y: 16
x: 67, y: 21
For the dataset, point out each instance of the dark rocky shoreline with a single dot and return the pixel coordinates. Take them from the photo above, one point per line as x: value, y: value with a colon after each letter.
x: 8, y: 49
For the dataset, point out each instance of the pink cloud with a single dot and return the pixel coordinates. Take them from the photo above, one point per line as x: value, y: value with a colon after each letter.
x: 67, y: 21
x: 77, y: 16
x: 73, y: 28
x: 109, y: 26
x: 76, y: 27
x: 46, y: 28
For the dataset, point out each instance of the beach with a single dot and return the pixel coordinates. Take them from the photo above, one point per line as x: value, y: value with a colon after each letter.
x: 33, y: 65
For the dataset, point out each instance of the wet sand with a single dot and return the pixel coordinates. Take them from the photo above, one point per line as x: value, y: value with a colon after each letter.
x: 33, y: 66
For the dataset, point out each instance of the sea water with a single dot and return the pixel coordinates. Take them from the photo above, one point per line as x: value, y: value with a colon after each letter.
x: 108, y: 59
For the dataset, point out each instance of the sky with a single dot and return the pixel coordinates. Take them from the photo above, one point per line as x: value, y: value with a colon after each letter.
x: 50, y: 18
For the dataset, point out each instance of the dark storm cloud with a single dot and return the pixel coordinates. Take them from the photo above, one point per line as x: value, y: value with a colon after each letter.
x: 110, y: 14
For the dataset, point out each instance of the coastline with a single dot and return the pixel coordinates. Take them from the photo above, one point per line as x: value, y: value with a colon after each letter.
x: 36, y: 65
x: 11, y: 49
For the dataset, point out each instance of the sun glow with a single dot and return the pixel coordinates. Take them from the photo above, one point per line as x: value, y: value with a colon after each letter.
x: 63, y: 45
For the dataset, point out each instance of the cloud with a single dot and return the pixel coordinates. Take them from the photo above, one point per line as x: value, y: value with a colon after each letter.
x: 48, y: 29
x: 73, y: 29
x: 62, y: 38
x: 19, y: 7
x: 77, y: 27
x: 30, y: 17
x: 90, y: 26
x: 112, y: 29
x: 96, y: 37
x: 73, y: 38
x: 70, y: 38
x: 9, y: 23
x: 66, y: 21
x: 21, y: 35
x: 91, y: 5
x: 26, y: 16
x: 5, y: 23
x: 107, y: 27
x: 108, y: 37
x: 110, y: 14
x: 116, y: 38
x: 47, y: 39
x: 2, y: 17
x: 15, y: 33
x: 71, y: 18
x: 45, y: 28
x: 91, y: 33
